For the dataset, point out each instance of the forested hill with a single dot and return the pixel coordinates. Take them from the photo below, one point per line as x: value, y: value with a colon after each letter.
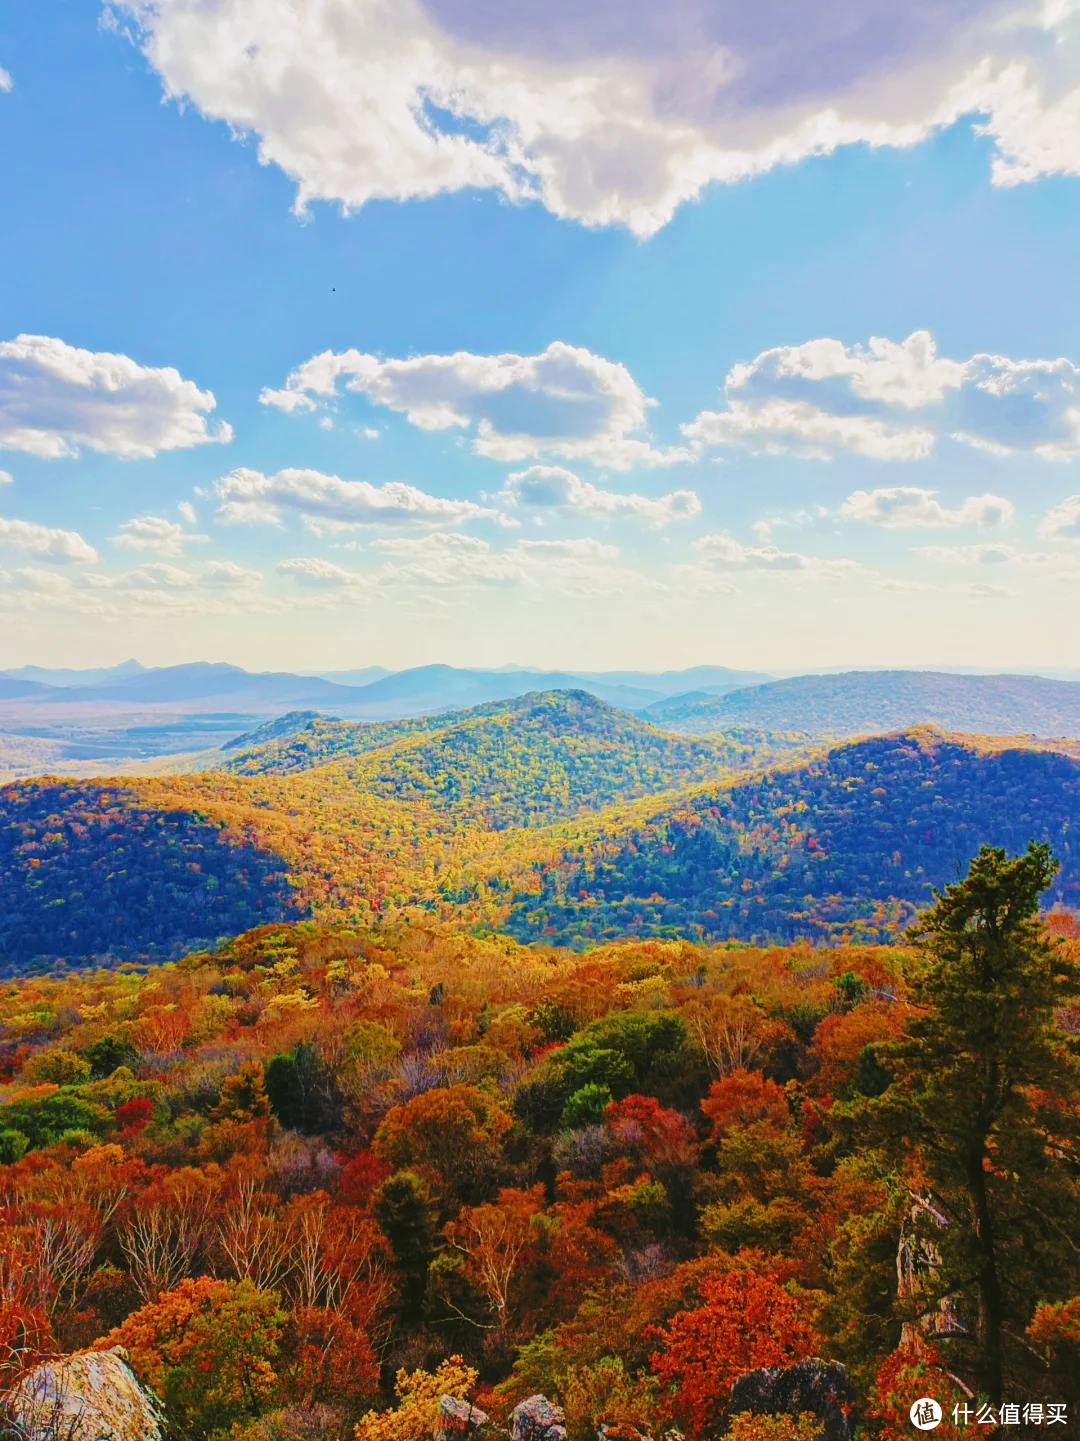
x: 529, y: 761
x: 551, y: 826
x: 867, y: 702
x: 417, y: 815
x: 850, y: 844
x: 93, y: 871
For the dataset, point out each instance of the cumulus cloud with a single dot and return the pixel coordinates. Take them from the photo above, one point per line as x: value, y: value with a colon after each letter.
x: 5, y: 80
x: 583, y: 567
x: 609, y: 113
x: 726, y: 552
x: 564, y: 402
x: 6, y: 477
x: 157, y: 575
x: 892, y: 401
x: 1063, y: 521
x: 315, y: 571
x: 156, y: 589
x: 154, y: 532
x: 910, y: 507
x: 552, y: 488
x: 327, y: 502
x: 716, y: 554
x: 172, y: 577
x: 55, y: 398
x: 986, y: 553
x: 62, y: 547
x: 228, y: 573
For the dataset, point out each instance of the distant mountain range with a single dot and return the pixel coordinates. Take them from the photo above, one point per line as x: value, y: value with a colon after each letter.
x: 170, y: 718
x: 872, y: 702
x: 50, y: 703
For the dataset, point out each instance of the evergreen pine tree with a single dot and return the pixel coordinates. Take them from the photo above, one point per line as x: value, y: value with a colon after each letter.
x: 983, y: 1112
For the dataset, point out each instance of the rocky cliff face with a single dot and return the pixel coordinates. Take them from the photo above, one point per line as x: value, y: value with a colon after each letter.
x: 84, y: 1397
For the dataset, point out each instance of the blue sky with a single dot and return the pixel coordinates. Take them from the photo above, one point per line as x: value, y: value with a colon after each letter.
x: 609, y: 396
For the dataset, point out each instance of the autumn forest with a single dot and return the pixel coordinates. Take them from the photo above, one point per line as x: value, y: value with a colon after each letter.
x: 532, y: 1051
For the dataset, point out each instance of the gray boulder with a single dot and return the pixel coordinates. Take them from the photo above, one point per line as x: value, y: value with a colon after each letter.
x: 537, y: 1419
x: 84, y: 1397
x: 820, y: 1387
x: 457, y: 1418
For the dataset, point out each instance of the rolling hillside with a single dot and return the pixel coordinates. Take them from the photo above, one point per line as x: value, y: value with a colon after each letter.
x: 92, y: 871
x: 416, y: 814
x: 554, y: 817
x: 543, y: 757
x: 850, y: 844
x: 869, y: 702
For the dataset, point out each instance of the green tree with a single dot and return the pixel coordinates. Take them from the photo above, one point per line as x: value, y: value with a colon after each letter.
x: 44, y: 1122
x: 301, y: 1090
x: 107, y: 1054
x: 408, y: 1217
x: 983, y: 1106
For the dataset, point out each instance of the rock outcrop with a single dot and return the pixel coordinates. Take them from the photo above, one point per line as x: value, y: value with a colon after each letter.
x: 820, y: 1387
x: 537, y: 1419
x: 84, y: 1397
x: 457, y: 1418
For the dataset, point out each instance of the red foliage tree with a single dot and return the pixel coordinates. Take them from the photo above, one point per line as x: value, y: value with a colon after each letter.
x: 747, y: 1320
x: 659, y: 1137
x: 133, y: 1115
x: 358, y: 1178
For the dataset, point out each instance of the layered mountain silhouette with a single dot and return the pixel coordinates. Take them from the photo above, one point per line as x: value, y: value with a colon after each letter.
x: 864, y: 702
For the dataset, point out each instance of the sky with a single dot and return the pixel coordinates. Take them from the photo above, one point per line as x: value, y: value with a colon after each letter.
x: 580, y: 333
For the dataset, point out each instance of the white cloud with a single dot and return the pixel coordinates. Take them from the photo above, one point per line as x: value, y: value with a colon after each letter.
x: 791, y: 427
x: 6, y: 82
x: 892, y: 401
x: 583, y: 567
x: 987, y: 553
x: 215, y: 574
x: 909, y: 507
x: 157, y: 589
x: 155, y: 533
x: 571, y: 549
x: 979, y: 591
x: 605, y: 112
x: 44, y: 583
x: 186, y: 511
x: 228, y: 573
x: 564, y: 402
x: 55, y: 398
x: 720, y: 555
x: 63, y: 547
x: 314, y: 571
x: 1063, y: 520
x: 326, y: 502
x: 172, y: 577
x: 6, y: 477
x: 724, y: 550
x: 550, y: 487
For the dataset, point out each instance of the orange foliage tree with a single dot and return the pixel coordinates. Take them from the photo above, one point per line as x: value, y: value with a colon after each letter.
x: 744, y: 1098
x: 452, y: 1132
